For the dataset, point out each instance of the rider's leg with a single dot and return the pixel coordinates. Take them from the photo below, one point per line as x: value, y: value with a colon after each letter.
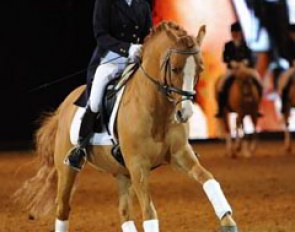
x: 104, y: 73
x: 222, y: 95
x: 221, y: 101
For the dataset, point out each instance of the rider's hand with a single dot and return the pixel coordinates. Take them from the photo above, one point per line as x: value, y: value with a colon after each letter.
x: 246, y: 62
x: 135, y: 52
x: 233, y: 64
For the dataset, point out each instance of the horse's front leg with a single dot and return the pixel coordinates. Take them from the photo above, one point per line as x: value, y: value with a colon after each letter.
x: 139, y: 169
x: 228, y: 138
x: 185, y: 160
x: 125, y: 203
x: 254, y: 137
x: 239, y: 128
x: 287, y: 136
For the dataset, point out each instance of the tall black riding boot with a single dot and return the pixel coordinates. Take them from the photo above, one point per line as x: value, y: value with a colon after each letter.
x: 76, y: 157
x: 221, y: 101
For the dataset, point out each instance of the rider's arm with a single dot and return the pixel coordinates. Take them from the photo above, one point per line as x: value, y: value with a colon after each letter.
x: 227, y: 55
x: 101, y: 23
x: 148, y: 22
x: 246, y: 62
x: 135, y: 49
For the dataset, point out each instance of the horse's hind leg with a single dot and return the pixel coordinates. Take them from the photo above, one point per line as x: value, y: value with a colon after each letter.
x: 66, y: 179
x: 186, y: 161
x: 125, y: 203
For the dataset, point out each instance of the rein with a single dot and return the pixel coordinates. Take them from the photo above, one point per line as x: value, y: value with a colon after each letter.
x: 167, y: 89
x: 70, y: 76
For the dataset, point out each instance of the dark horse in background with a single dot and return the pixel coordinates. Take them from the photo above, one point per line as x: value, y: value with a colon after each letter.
x: 244, y: 96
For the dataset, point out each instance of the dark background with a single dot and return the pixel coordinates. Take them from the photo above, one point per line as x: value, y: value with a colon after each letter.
x: 41, y: 41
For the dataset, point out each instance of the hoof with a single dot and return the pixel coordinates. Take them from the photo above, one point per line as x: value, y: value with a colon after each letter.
x: 288, y: 149
x: 229, y: 229
x: 234, y: 155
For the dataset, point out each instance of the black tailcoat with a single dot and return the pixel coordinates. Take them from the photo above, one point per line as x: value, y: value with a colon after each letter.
x: 117, y: 25
x: 234, y: 53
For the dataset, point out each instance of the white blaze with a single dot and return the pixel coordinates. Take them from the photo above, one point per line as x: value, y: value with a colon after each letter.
x: 188, y: 85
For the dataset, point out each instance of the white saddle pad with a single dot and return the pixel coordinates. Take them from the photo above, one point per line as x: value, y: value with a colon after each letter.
x: 103, y: 138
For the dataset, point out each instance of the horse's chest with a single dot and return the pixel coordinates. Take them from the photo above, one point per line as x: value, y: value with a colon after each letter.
x: 157, y: 151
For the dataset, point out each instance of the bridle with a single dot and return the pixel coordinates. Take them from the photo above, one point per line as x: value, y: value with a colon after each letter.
x: 168, y: 89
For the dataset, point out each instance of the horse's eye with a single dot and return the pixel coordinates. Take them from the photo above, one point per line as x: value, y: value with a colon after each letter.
x: 176, y: 70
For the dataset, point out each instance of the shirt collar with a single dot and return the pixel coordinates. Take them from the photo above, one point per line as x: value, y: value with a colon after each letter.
x: 129, y: 2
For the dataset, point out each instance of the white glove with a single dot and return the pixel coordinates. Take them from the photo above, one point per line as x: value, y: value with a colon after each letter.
x: 135, y: 52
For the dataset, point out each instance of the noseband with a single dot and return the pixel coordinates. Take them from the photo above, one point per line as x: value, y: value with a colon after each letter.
x: 166, y: 89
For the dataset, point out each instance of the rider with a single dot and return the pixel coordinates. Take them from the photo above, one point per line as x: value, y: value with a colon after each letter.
x: 120, y: 27
x: 235, y: 52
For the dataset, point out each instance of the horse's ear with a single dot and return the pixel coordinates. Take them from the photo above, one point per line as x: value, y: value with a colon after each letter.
x: 201, y: 35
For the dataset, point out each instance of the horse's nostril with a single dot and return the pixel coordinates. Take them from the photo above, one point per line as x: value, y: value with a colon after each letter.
x: 181, y: 118
x: 179, y: 114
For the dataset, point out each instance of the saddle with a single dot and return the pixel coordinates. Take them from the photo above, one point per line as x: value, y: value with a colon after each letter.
x: 108, y: 102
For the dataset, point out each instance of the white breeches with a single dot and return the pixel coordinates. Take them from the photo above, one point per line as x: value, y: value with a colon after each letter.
x: 105, y: 72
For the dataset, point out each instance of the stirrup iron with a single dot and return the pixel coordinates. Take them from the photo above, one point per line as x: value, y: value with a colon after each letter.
x: 76, y: 158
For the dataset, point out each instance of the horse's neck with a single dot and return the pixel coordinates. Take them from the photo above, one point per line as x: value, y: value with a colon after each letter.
x: 149, y: 97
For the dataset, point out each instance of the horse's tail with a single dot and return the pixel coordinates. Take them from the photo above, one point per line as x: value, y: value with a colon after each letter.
x: 37, y: 195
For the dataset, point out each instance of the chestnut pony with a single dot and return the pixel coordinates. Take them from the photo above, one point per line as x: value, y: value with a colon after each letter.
x: 244, y: 99
x: 152, y: 130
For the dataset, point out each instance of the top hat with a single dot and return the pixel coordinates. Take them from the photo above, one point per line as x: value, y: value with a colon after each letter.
x: 236, y: 27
